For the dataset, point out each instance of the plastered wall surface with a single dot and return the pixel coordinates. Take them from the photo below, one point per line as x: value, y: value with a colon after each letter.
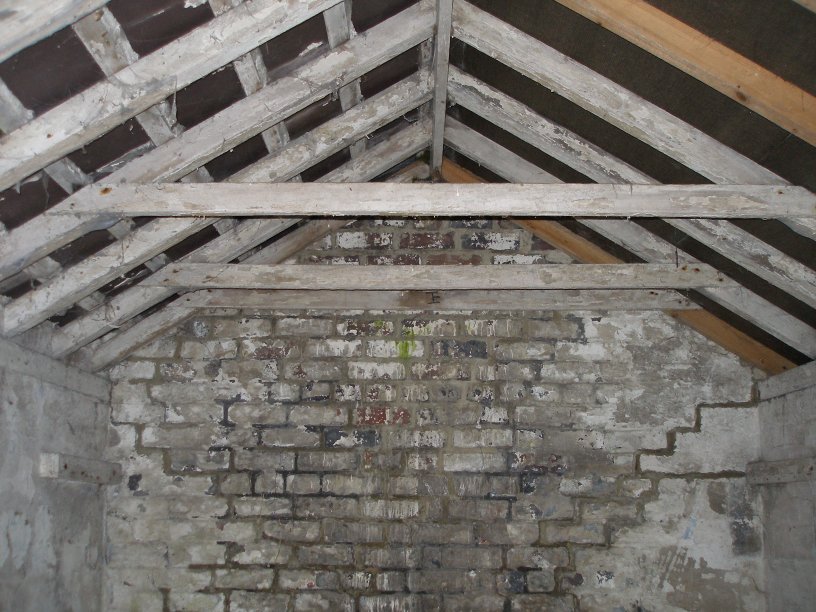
x: 51, y: 532
x: 433, y: 461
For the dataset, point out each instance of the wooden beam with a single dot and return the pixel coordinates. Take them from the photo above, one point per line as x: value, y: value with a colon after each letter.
x: 24, y: 23
x: 555, y: 140
x: 340, y: 132
x: 136, y: 88
x: 608, y: 299
x: 489, y: 154
x: 58, y: 466
x: 230, y: 127
x: 428, y: 278
x: 707, y: 60
x: 25, y: 362
x: 444, y: 16
x: 340, y: 29
x: 701, y: 321
x: 253, y: 76
x: 105, y: 40
x: 121, y: 343
x: 801, y: 469
x: 613, y: 103
x: 367, y: 199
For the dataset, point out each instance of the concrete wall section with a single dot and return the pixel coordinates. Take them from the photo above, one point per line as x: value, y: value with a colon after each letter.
x: 788, y: 431
x: 51, y: 530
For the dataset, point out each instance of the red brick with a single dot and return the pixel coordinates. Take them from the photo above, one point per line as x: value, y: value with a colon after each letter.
x: 427, y: 240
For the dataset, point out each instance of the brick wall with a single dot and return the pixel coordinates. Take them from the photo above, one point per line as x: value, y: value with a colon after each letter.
x: 425, y: 461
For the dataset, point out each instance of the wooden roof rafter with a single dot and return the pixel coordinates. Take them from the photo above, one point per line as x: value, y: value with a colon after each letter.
x: 108, y: 322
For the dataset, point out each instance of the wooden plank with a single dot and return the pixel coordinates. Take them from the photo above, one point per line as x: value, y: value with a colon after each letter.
x: 230, y: 127
x: 103, y: 37
x: 94, y: 272
x: 340, y: 132
x: 340, y: 29
x: 444, y: 17
x: 489, y: 154
x: 701, y: 321
x: 47, y: 370
x: 707, y: 60
x: 551, y: 276
x: 367, y: 199
x: 517, y: 300
x: 798, y: 379
x: 780, y: 472
x: 24, y: 23
x: 122, y: 343
x: 754, y: 255
x: 136, y: 88
x: 58, y: 466
x: 252, y: 74
x: 400, y: 146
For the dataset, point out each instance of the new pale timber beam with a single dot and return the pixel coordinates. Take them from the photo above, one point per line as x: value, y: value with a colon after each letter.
x: 429, y: 278
x: 373, y: 199
x: 293, y: 158
x: 232, y: 126
x: 120, y: 344
x: 444, y: 16
x: 585, y: 251
x: 136, y: 88
x: 707, y: 60
x: 25, y: 22
x: 808, y: 4
x: 571, y: 300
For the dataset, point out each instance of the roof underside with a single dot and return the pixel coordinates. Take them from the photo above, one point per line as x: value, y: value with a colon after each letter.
x: 528, y: 91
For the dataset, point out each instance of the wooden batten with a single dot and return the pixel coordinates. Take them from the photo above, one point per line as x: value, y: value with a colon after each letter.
x: 530, y: 300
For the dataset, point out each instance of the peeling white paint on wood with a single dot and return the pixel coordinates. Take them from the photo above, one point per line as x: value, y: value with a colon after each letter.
x: 551, y: 276
x: 448, y: 200
x: 517, y: 300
